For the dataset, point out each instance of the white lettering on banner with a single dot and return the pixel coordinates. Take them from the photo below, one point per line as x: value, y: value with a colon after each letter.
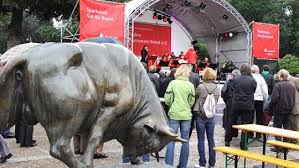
x: 94, y: 14
x: 137, y: 35
x: 155, y: 42
x: 269, y: 52
x: 264, y: 34
x: 96, y: 11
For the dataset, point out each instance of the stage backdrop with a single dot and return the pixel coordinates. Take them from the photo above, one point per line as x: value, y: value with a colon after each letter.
x: 101, y: 19
x: 157, y: 38
x: 265, y: 41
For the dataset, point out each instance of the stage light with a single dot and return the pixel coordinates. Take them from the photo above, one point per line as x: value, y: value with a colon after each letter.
x: 188, y: 2
x: 227, y: 35
x: 159, y: 17
x: 167, y: 7
x: 225, y: 17
x: 202, y: 6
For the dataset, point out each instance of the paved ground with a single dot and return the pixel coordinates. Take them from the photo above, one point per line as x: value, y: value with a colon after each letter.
x: 38, y: 157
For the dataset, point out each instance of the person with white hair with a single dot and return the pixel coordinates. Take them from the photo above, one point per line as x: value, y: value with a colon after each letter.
x: 282, y: 102
x: 260, y: 95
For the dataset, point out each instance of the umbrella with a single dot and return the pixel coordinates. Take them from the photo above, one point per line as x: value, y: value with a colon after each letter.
x: 103, y: 40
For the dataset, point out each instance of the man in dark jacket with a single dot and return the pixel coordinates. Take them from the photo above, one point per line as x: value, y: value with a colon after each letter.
x: 194, y: 78
x: 144, y: 54
x: 282, y: 101
x: 164, y: 82
x: 227, y: 96
x: 243, y: 99
x: 154, y: 77
x: 268, y: 78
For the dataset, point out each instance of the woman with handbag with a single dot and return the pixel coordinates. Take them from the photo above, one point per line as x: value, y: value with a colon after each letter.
x: 180, y: 97
x: 207, y: 95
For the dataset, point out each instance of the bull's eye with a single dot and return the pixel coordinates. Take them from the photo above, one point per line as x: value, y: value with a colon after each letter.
x: 76, y: 60
x: 150, y: 129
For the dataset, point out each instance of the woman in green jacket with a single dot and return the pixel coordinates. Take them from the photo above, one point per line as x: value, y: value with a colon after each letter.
x: 180, y: 97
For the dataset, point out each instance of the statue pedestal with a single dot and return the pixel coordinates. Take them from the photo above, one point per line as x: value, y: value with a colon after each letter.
x: 152, y: 164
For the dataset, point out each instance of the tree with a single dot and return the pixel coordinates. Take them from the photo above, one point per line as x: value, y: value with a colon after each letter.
x: 282, y: 12
x: 42, y: 9
x: 290, y: 63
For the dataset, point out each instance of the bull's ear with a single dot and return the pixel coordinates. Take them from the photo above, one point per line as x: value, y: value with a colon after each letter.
x: 76, y: 60
x: 9, y: 66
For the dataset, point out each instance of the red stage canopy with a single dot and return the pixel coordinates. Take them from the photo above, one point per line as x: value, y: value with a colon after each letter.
x: 265, y: 41
x: 104, y: 19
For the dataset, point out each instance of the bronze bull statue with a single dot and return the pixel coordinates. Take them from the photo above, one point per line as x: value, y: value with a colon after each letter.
x: 99, y: 91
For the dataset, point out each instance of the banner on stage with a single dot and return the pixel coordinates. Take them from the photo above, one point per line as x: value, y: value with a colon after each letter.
x: 265, y: 39
x: 156, y: 37
x: 101, y: 19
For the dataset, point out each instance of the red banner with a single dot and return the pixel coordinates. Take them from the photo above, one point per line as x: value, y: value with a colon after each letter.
x: 157, y: 38
x: 103, y: 19
x: 265, y: 41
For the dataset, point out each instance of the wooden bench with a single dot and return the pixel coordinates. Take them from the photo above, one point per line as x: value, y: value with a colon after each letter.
x: 286, y: 146
x: 254, y: 156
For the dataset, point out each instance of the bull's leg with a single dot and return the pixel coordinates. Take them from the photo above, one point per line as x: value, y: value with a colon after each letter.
x: 60, y: 147
x: 121, y: 104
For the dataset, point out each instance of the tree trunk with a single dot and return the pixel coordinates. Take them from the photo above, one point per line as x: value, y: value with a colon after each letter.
x: 15, y: 28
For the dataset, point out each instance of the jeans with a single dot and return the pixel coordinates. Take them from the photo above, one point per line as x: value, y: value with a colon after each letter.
x: 145, y: 158
x: 184, y: 155
x: 206, y: 127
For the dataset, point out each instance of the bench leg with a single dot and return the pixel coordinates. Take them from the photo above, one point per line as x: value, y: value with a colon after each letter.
x: 285, y: 153
x: 226, y: 161
x: 236, y: 161
x: 264, y: 147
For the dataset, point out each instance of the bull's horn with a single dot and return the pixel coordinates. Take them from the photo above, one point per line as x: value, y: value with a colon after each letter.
x: 178, y: 139
x: 168, y: 133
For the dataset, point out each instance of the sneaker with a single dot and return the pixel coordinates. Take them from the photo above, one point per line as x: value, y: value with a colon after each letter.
x: 197, y: 166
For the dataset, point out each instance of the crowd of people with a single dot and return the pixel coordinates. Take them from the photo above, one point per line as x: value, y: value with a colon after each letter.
x: 169, y: 59
x: 250, y: 97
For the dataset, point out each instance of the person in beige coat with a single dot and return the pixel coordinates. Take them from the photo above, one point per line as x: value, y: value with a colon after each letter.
x: 295, y: 114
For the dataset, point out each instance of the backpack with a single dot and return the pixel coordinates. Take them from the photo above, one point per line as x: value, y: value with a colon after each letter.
x: 209, y: 106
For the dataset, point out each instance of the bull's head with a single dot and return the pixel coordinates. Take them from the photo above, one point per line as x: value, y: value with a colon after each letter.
x: 11, y: 76
x: 151, y: 131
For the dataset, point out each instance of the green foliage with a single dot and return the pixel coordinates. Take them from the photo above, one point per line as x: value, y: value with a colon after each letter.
x: 201, y: 50
x: 282, y: 12
x: 290, y: 63
x: 48, y: 33
x: 4, y: 19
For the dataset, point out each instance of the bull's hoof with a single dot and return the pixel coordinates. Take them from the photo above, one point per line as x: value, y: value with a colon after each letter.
x: 137, y: 162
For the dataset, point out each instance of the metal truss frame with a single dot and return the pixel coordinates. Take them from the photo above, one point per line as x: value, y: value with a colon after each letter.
x: 65, y: 33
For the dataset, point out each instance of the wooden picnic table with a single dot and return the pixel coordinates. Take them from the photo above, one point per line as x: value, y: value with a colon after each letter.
x: 265, y: 130
x: 268, y: 130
